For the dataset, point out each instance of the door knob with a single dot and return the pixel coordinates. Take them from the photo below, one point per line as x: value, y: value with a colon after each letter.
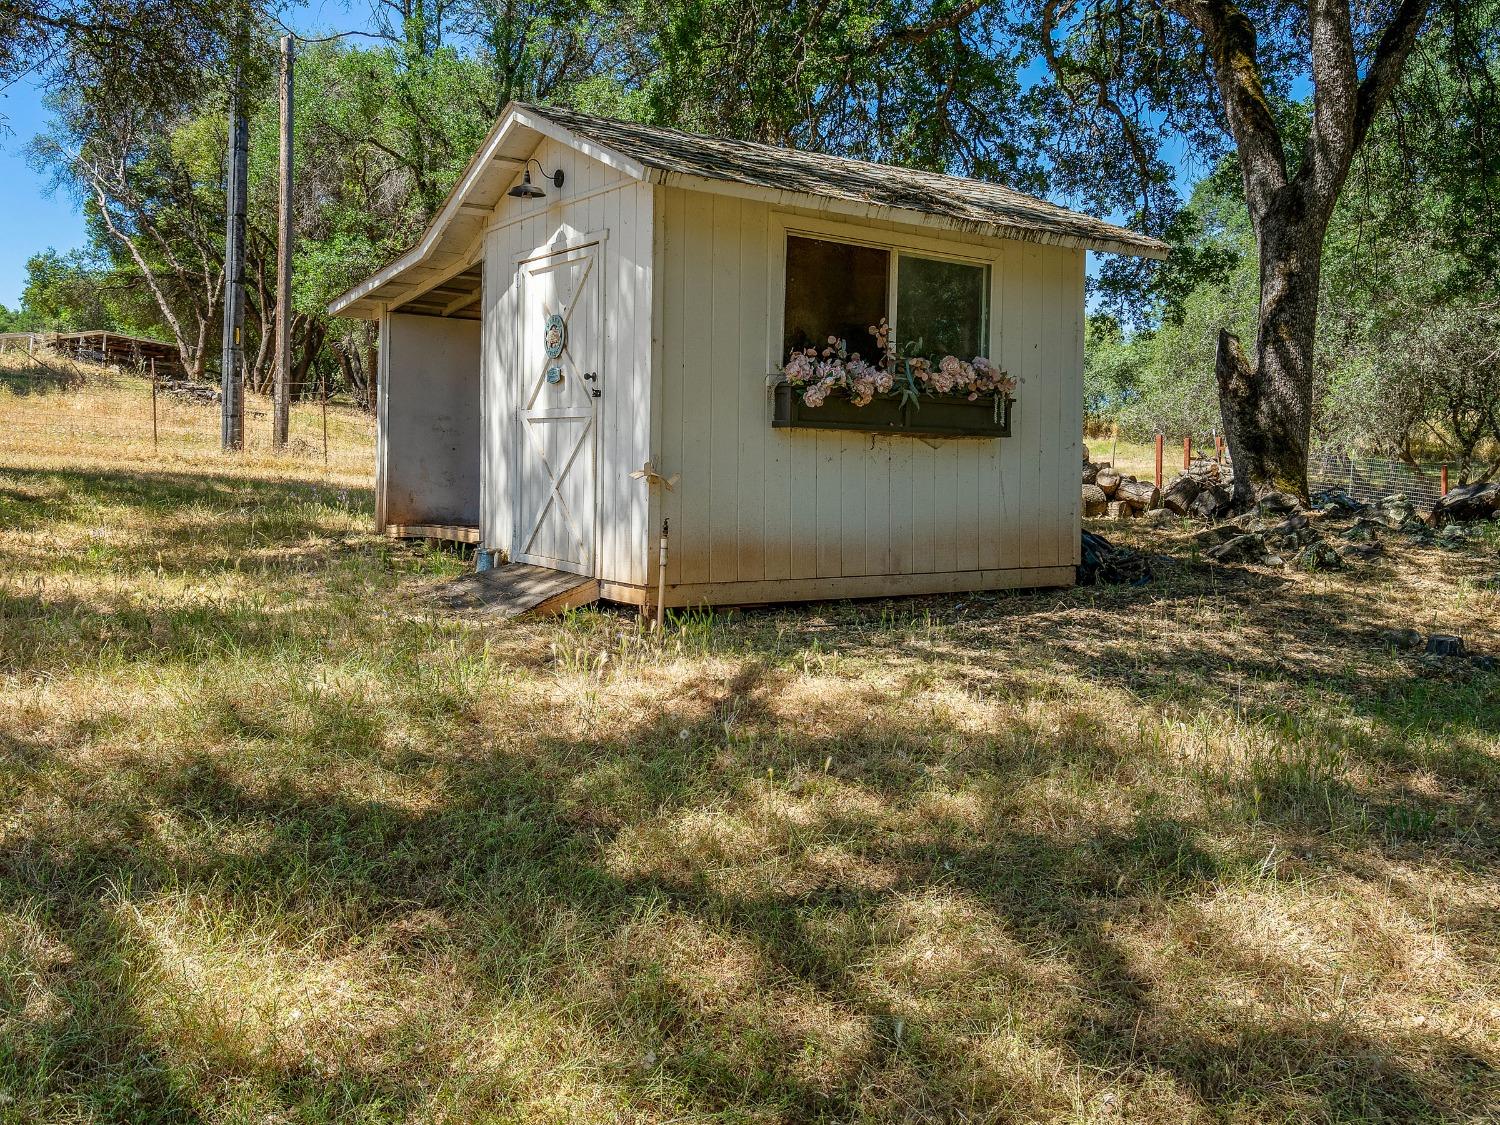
x: 591, y: 375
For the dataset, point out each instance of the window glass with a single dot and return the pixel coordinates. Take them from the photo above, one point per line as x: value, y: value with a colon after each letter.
x: 942, y: 307
x: 833, y: 289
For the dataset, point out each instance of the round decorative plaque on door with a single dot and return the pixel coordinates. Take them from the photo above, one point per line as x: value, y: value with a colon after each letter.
x: 555, y: 335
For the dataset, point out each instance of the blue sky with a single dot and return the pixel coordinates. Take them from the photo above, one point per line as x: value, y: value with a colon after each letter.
x: 32, y: 218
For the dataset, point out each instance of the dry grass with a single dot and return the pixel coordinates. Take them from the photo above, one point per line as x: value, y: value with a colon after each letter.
x: 1138, y: 458
x: 278, y: 844
x: 51, y: 426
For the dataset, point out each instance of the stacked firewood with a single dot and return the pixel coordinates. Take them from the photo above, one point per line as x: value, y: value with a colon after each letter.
x: 1108, y: 494
x: 205, y: 393
x: 1204, y: 490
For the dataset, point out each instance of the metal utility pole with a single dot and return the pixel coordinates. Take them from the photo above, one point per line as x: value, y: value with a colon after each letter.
x: 283, y: 386
x: 232, y: 401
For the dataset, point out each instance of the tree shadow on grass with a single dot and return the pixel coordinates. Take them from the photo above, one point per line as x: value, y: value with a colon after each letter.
x: 742, y: 928
x: 156, y: 489
x: 43, y: 379
x: 526, y: 837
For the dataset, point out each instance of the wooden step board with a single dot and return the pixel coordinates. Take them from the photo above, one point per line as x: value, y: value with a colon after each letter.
x: 518, y: 588
x: 447, y: 532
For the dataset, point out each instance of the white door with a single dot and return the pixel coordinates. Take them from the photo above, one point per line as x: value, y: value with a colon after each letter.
x: 559, y: 338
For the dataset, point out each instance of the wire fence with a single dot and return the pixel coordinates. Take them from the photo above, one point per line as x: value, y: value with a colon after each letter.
x: 1367, y: 479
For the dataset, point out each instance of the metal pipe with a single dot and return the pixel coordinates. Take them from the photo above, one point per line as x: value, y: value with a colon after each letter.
x: 661, y: 577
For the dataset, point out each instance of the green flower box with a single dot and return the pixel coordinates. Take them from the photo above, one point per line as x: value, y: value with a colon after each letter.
x: 931, y: 416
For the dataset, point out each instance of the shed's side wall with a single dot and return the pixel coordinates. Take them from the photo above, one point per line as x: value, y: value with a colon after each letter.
x: 428, y: 457
x: 759, y: 505
x: 595, y: 200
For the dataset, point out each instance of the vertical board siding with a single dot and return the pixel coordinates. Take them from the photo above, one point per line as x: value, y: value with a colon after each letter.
x: 750, y: 469
x: 725, y: 313
x: 1072, y: 424
x: 697, y: 364
x: 595, y: 200
x: 757, y: 504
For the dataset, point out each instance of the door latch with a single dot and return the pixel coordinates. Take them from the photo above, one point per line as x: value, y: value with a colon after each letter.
x: 597, y: 393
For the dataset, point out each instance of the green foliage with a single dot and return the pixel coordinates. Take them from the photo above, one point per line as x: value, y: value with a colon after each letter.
x: 1409, y: 313
x: 929, y: 85
x: 75, y: 291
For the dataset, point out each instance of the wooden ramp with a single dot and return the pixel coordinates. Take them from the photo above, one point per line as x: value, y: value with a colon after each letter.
x: 518, y: 588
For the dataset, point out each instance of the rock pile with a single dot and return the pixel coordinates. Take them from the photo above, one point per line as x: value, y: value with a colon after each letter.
x: 1337, y: 530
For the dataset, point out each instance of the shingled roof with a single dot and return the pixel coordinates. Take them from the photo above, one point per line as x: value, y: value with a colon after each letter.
x: 858, y: 181
x: 443, y: 256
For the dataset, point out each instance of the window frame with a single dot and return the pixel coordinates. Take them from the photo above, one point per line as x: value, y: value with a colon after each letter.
x: 893, y: 294
x: 785, y: 225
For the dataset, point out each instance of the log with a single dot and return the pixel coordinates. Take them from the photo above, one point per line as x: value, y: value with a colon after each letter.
x: 1093, y: 495
x: 1090, y: 473
x: 1141, y: 495
x: 1210, y: 502
x: 1180, y: 495
x: 1108, y: 480
x: 1095, y: 511
x: 1466, y: 504
x: 1119, y: 510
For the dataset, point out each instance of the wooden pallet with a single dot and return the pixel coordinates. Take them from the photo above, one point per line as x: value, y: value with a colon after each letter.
x: 447, y: 532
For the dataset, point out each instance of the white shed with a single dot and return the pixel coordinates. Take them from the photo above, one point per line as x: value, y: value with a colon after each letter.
x: 584, y: 343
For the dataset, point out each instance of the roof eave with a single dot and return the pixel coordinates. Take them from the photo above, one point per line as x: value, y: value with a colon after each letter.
x: 355, y: 302
x: 1130, y: 244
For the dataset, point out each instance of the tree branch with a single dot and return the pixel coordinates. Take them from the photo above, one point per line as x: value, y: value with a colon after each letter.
x: 1389, y: 61
x: 1230, y: 38
x: 920, y: 33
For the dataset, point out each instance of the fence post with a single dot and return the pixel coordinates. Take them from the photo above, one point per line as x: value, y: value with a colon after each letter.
x: 1160, y: 444
x: 325, y: 419
x: 1219, y: 448
x: 155, y: 445
x: 1443, y: 480
x: 1187, y: 452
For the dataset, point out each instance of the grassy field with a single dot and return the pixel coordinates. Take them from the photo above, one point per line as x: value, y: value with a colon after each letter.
x: 280, y: 843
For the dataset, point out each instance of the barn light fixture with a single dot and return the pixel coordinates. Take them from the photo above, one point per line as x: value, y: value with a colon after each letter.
x: 528, y: 190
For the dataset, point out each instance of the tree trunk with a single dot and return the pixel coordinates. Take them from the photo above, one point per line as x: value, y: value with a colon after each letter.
x: 1267, y: 403
x: 372, y: 376
x: 309, y: 343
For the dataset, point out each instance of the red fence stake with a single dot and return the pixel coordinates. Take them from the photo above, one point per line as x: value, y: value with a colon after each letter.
x: 1219, y: 448
x: 1160, y: 443
x: 1187, y: 453
x: 1443, y: 478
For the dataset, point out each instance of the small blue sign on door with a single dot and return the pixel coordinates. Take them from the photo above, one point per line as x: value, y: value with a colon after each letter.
x: 554, y: 335
x: 554, y: 374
